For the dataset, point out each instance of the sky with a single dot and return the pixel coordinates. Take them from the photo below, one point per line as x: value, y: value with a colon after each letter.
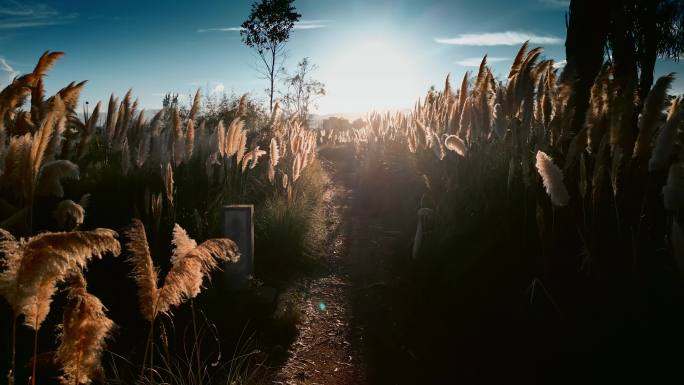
x: 371, y: 54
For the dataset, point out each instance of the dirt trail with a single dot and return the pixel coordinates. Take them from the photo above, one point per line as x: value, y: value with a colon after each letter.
x: 328, y: 348
x: 349, y: 332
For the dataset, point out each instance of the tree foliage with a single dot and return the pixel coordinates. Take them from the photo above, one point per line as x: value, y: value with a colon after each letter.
x: 266, y: 30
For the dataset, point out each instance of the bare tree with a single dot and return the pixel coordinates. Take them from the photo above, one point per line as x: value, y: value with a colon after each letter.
x: 302, y: 91
x: 266, y: 30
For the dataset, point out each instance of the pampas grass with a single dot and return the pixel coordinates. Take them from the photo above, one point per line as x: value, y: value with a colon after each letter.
x: 145, y: 168
x: 455, y: 144
x: 45, y: 260
x: 190, y: 264
x: 189, y: 139
x: 296, y: 167
x: 195, y: 106
x: 83, y: 332
x: 677, y: 238
x: 51, y: 175
x: 234, y: 136
x: 241, y: 145
x: 69, y: 215
x: 653, y: 107
x: 673, y: 192
x: 274, y: 154
x: 144, y: 273
x: 666, y: 139
x: 188, y: 270
x: 168, y: 184
x: 552, y: 177
x: 35, y: 267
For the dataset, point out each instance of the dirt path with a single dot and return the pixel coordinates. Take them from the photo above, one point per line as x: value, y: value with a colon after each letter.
x: 351, y: 332
x: 329, y: 347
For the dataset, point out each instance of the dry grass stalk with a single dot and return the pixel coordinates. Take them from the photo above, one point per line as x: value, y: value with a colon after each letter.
x: 168, y: 184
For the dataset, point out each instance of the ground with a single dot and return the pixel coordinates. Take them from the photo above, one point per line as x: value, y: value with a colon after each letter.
x: 343, y: 309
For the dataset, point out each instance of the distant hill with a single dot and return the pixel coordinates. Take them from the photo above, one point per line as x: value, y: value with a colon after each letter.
x: 316, y: 119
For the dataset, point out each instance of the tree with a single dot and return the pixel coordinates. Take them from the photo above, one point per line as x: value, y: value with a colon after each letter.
x: 632, y: 34
x: 302, y: 91
x: 358, y: 124
x: 584, y: 51
x: 266, y: 30
x: 644, y: 30
x: 335, y: 124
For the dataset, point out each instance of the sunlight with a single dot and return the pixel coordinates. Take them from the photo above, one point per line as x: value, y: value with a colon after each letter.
x: 359, y: 192
x: 374, y: 74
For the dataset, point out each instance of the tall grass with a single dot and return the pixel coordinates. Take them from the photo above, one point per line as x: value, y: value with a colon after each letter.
x: 601, y: 173
x: 517, y: 201
x: 170, y: 173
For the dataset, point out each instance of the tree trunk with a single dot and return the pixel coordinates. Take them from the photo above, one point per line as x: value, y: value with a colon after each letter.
x: 649, y: 52
x: 584, y: 51
x: 273, y: 72
x: 623, y: 44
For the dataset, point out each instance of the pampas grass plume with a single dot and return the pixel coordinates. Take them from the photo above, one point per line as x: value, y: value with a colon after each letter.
x: 552, y: 176
x: 673, y: 192
x: 274, y: 153
x: 84, y: 329
x: 45, y: 260
x: 69, y: 215
x: 144, y: 273
x: 188, y: 270
x: 456, y: 144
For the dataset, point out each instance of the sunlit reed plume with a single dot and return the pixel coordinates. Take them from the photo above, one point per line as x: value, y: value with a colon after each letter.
x: 552, y: 176
x: 82, y: 336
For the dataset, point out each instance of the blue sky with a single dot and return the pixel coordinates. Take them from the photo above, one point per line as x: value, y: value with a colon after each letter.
x: 372, y: 54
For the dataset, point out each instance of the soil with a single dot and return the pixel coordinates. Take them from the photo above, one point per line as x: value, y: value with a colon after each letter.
x: 343, y: 316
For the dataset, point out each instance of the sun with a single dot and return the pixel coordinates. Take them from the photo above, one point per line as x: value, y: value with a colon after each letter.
x: 370, y: 74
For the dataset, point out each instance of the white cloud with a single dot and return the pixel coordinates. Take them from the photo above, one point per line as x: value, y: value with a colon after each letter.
x: 227, y: 29
x: 7, y: 73
x: 560, y: 64
x: 499, y: 38
x: 302, y: 24
x: 475, y: 61
x: 311, y: 24
x: 14, y: 15
x: 556, y: 3
x: 217, y: 89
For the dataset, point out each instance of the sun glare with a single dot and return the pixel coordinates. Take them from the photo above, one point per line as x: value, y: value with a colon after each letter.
x: 373, y: 74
